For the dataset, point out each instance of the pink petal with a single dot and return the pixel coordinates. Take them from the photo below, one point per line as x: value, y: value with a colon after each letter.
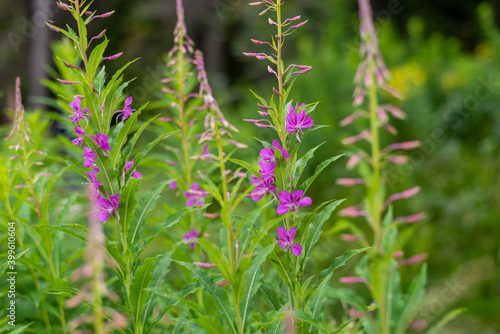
x: 103, y: 215
x: 297, y: 195
x: 284, y: 197
x: 305, y: 201
x: 291, y: 233
x: 282, y: 209
x: 282, y: 233
x: 296, y: 250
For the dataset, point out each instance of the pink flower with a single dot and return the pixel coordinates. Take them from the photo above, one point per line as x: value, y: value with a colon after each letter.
x: 102, y: 141
x: 78, y: 141
x: 195, y: 195
x: 265, y: 186
x: 285, y: 240
x: 128, y: 165
x: 126, y: 111
x: 291, y: 201
x: 89, y: 156
x: 107, y: 207
x: 77, y: 110
x: 94, y: 182
x: 296, y: 122
x: 193, y: 234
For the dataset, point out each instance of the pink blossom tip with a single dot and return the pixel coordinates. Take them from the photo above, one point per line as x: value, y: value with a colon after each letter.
x: 413, y: 260
x: 347, y: 182
x: 350, y: 237
x: 113, y: 56
x: 204, y: 264
x: 411, y: 219
x: 353, y: 280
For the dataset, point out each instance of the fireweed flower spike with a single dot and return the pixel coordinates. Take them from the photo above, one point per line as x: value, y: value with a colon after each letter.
x: 193, y: 234
x: 285, y: 240
x: 291, y: 201
x: 297, y: 122
x: 195, y: 195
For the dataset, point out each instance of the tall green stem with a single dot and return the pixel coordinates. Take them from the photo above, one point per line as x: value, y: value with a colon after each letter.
x: 375, y: 198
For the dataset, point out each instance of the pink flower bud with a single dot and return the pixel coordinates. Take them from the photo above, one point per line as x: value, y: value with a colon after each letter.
x: 413, y: 260
x: 418, y: 324
x: 204, y: 264
x: 350, y: 181
x: 222, y: 283
x: 398, y: 254
x: 350, y: 237
x: 411, y: 219
x: 354, y: 160
x: 353, y: 211
x: 405, y: 194
x: 113, y: 56
x: 397, y: 159
x: 66, y: 82
x: 353, y: 280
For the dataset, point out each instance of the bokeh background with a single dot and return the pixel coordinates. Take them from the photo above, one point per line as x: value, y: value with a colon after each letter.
x: 444, y: 56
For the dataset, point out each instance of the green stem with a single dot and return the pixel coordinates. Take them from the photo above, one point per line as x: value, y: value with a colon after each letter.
x: 375, y: 196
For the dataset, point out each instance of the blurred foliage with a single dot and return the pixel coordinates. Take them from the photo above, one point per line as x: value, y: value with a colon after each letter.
x: 443, y: 56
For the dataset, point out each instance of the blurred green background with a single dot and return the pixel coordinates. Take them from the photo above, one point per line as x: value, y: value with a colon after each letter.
x: 444, y: 56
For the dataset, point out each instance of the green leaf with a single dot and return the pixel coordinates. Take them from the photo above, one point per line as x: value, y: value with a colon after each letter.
x: 338, y: 262
x: 191, y: 326
x: 128, y: 203
x: 96, y: 58
x: 158, y: 276
x: 245, y: 165
x: 80, y: 170
x: 169, y: 222
x: 253, y: 280
x: 305, y: 185
x: 146, y: 204
x: 299, y: 165
x: 282, y: 171
x: 217, y: 257
x: 106, y: 170
x: 122, y: 136
x: 447, y: 318
x: 415, y: 294
x: 314, y: 229
x: 217, y: 293
x: 138, y: 293
x: 281, y: 263
x: 3, y: 266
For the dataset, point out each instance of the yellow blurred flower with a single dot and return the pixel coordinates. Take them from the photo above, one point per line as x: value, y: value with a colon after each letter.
x: 408, y: 76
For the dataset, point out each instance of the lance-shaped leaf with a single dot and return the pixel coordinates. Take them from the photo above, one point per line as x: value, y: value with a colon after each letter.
x: 246, y: 165
x: 158, y: 276
x: 338, y: 262
x: 128, y: 203
x: 415, y: 294
x: 444, y: 320
x: 96, y: 58
x: 305, y: 185
x: 121, y: 138
x: 281, y: 263
x: 217, y: 293
x: 138, y: 293
x: 191, y: 326
x: 253, y: 280
x: 146, y: 204
x: 314, y: 227
x: 217, y: 257
x: 299, y: 165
